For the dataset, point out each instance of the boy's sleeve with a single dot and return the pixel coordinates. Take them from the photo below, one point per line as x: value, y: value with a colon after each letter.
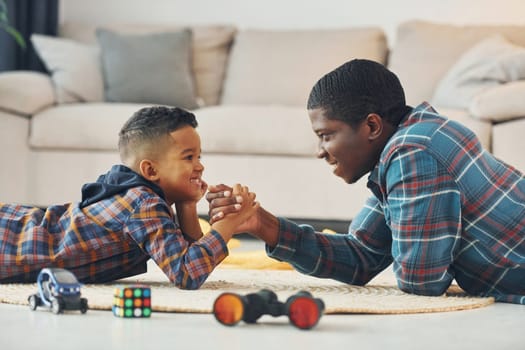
x: 186, y: 264
x: 353, y: 258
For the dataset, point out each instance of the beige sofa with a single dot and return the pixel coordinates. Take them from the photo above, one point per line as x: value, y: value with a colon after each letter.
x: 58, y: 132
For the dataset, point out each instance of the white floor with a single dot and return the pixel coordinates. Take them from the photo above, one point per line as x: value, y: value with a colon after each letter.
x: 499, y: 326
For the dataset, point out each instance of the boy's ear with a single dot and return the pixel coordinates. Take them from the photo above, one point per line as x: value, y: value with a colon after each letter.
x: 148, y: 170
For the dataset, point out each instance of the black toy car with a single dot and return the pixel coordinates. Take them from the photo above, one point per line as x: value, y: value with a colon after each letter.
x: 59, y: 290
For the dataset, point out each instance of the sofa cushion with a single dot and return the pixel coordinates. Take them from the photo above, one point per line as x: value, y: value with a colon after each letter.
x: 489, y: 63
x: 269, y: 130
x: 510, y: 151
x: 281, y: 67
x: 83, y: 126
x: 210, y: 49
x: 424, y: 51
x: 148, y: 68
x: 488, y: 105
x: 272, y: 130
x: 75, y: 68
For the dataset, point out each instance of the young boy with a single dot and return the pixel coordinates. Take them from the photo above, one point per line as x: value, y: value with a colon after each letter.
x: 126, y: 217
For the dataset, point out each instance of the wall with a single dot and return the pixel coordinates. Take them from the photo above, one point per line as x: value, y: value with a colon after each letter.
x: 294, y: 14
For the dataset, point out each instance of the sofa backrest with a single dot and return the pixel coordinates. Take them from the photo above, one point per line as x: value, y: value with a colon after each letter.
x: 425, y: 51
x: 281, y: 66
x: 211, y: 45
x: 264, y: 66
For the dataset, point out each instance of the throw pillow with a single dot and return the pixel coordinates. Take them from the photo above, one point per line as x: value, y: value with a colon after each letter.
x: 211, y: 47
x: 153, y: 68
x: 491, y: 62
x: 500, y: 103
x: 74, y: 68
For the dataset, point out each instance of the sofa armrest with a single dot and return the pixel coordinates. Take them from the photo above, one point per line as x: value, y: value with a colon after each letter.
x: 25, y: 92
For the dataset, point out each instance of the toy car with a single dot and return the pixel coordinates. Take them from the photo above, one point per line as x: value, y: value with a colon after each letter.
x: 59, y: 290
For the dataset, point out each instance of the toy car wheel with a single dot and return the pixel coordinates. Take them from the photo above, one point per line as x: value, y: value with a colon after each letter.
x: 83, y: 305
x: 34, y: 301
x: 56, y: 306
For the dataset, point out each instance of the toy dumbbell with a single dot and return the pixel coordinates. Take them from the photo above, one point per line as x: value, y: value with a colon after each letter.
x: 301, y: 308
x: 230, y: 308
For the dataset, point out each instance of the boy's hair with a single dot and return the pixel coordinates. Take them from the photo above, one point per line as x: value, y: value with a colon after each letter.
x: 148, y: 127
x: 357, y: 88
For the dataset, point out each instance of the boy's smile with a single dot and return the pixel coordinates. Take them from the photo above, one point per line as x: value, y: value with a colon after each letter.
x: 179, y: 169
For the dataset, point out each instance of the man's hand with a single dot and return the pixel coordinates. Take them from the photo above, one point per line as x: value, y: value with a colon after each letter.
x: 262, y: 224
x: 222, y: 203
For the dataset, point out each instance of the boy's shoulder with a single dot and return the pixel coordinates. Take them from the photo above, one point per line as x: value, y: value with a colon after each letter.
x: 131, y: 200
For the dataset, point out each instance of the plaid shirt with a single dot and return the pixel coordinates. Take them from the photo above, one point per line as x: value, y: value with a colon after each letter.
x: 443, y: 208
x: 110, y: 239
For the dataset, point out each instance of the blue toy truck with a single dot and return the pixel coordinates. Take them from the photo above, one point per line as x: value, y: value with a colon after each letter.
x: 59, y: 290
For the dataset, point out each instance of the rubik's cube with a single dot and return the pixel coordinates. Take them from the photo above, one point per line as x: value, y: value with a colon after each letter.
x: 132, y: 301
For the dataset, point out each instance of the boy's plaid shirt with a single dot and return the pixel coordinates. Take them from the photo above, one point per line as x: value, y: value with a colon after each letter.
x: 110, y: 239
x: 443, y: 208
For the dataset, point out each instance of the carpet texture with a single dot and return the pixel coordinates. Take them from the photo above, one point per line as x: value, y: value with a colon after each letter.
x: 380, y: 297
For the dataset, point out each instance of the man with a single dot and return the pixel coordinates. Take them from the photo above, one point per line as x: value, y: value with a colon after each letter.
x: 442, y: 207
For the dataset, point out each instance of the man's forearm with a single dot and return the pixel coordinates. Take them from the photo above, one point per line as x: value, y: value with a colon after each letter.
x: 268, y: 228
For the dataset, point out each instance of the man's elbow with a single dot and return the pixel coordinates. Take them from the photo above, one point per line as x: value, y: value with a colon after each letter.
x: 424, y: 289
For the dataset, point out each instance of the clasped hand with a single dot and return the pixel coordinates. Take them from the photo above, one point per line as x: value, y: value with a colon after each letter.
x: 224, y: 200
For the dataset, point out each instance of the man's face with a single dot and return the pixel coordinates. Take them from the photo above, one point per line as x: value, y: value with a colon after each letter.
x: 350, y: 151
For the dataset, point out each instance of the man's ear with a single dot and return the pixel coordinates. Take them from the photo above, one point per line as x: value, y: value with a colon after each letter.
x: 374, y: 123
x: 148, y: 170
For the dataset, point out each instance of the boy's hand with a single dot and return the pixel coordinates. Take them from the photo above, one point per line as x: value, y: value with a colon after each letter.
x: 187, y: 213
x: 203, y: 187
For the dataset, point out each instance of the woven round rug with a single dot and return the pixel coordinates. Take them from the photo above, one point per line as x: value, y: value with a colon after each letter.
x: 376, y: 298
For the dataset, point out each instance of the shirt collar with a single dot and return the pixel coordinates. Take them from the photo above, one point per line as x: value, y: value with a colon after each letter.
x: 410, y: 118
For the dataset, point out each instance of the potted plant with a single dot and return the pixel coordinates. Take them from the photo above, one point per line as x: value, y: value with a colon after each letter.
x: 4, y: 25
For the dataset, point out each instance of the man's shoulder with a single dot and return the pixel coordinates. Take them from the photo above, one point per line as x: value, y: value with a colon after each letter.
x: 424, y: 125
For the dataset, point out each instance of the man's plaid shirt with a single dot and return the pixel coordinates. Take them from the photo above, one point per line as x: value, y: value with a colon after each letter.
x: 443, y: 208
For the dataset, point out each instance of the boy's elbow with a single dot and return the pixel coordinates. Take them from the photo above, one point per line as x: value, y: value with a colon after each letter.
x: 187, y: 282
x: 189, y: 286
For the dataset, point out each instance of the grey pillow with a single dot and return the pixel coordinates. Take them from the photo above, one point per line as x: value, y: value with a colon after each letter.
x: 153, y: 68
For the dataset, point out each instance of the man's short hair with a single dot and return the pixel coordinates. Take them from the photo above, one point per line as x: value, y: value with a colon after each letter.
x: 149, y: 125
x: 357, y: 88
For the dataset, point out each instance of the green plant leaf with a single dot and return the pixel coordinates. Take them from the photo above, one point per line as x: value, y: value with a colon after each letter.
x: 15, y: 34
x: 4, y: 24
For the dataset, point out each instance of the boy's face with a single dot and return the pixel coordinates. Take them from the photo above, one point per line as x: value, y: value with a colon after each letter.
x: 349, y: 150
x: 179, y: 168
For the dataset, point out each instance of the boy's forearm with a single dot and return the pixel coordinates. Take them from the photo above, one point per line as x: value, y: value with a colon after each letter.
x: 189, y: 220
x: 224, y: 228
